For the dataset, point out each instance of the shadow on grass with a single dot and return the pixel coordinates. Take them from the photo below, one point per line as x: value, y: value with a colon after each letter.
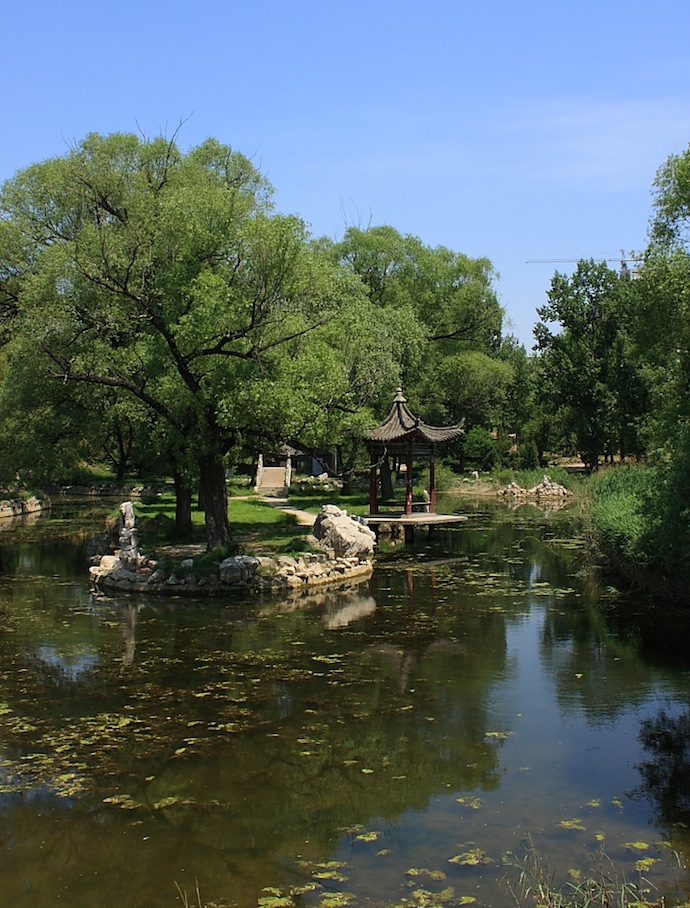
x: 355, y: 503
x: 256, y: 526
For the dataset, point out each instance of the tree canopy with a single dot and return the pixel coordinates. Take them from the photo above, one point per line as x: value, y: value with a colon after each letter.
x: 154, y: 307
x: 167, y: 279
x: 590, y: 378
x: 445, y: 306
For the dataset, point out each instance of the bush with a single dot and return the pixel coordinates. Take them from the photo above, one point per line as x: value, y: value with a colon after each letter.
x: 479, y: 449
x: 527, y: 456
x: 445, y: 478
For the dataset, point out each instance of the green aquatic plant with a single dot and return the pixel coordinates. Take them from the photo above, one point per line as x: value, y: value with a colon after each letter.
x: 184, y: 898
x: 605, y: 887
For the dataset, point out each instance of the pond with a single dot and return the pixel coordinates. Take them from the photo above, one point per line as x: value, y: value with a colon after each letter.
x: 407, y: 741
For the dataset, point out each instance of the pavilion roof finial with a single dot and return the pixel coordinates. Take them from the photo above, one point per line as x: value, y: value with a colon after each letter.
x: 401, y: 424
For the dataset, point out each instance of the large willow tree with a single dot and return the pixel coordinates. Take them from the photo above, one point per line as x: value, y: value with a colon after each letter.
x: 165, y: 278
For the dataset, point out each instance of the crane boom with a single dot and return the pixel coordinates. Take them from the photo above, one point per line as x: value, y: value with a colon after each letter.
x: 621, y: 259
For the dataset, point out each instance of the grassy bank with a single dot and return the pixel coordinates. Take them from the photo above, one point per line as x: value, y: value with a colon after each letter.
x: 640, y: 520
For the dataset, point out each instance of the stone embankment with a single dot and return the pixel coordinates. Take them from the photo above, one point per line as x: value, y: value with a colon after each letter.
x: 547, y: 488
x: 18, y: 507
x: 346, y: 554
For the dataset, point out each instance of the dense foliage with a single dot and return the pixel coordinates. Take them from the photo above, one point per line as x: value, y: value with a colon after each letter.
x: 157, y: 315
x: 591, y: 379
x: 641, y: 517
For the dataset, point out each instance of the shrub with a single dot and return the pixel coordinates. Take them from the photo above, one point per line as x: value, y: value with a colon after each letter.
x: 527, y: 456
x: 479, y: 449
x: 445, y: 478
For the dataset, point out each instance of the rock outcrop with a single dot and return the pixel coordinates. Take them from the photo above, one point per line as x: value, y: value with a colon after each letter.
x: 547, y: 488
x: 18, y: 507
x: 345, y: 536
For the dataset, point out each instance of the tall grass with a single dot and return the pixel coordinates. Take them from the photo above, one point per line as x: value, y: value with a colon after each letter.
x: 605, y: 887
x: 640, y: 518
x: 530, y: 478
x: 620, y: 512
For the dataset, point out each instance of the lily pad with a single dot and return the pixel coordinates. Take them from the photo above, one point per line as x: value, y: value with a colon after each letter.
x: 422, y: 871
x: 368, y: 837
x: 474, y: 803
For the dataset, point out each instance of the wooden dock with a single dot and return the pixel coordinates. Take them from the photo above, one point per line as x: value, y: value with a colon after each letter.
x: 410, y: 522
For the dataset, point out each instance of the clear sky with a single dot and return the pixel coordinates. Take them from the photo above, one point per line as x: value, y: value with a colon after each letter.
x: 510, y: 130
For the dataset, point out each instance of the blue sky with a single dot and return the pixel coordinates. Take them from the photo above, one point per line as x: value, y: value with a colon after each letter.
x: 514, y: 131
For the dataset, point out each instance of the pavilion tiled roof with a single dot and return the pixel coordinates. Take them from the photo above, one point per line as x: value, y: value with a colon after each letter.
x: 402, y: 424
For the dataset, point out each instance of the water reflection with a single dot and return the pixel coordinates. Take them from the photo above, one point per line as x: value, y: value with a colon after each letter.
x: 665, y: 770
x: 472, y: 694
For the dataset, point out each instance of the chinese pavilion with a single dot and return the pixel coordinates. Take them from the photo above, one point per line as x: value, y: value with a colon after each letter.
x: 406, y: 436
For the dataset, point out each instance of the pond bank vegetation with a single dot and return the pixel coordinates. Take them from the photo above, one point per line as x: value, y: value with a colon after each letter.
x: 641, y: 523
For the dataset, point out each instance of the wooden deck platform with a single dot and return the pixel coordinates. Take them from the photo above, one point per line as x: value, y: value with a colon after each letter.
x: 410, y: 521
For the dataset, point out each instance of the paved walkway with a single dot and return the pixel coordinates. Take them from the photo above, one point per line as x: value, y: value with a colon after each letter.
x: 304, y: 518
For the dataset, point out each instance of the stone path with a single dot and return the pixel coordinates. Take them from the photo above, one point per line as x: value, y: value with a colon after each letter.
x: 304, y: 518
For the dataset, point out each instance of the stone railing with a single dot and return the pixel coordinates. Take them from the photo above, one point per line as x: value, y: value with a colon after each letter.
x: 259, y: 472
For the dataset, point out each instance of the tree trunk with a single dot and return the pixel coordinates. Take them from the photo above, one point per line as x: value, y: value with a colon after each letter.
x: 183, y: 505
x: 344, y: 470
x: 124, y: 446
x: 215, y: 497
x: 591, y: 461
x: 386, y: 479
x: 120, y: 451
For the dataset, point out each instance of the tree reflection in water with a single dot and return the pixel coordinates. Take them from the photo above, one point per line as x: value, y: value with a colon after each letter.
x: 666, y: 771
x: 472, y: 694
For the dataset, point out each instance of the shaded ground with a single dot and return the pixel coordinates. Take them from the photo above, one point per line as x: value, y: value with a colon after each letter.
x: 192, y: 550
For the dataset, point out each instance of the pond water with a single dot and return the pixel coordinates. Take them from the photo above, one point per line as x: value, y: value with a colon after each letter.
x: 406, y: 741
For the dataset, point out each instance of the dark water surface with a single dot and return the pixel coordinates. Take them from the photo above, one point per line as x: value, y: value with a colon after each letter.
x: 402, y: 742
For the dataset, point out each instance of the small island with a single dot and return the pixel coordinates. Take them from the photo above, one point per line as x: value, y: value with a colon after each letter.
x: 343, y: 552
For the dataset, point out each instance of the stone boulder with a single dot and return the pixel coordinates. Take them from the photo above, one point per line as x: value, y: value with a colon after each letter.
x: 547, y: 488
x: 238, y: 570
x: 345, y: 536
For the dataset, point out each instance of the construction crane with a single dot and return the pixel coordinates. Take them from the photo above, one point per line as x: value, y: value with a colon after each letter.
x: 622, y: 260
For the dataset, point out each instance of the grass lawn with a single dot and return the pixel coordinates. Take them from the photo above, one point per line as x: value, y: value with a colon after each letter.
x: 257, y: 527
x: 355, y: 503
